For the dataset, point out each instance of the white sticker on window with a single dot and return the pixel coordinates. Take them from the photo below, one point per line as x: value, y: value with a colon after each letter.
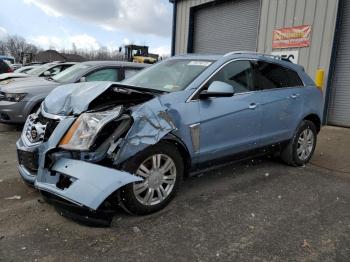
x: 199, y: 63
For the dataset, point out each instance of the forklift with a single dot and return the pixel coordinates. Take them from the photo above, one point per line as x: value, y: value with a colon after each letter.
x: 139, y: 54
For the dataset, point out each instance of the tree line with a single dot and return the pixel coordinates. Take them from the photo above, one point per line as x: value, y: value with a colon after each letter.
x: 15, y: 46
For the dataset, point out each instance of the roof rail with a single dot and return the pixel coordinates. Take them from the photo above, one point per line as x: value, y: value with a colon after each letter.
x: 259, y: 54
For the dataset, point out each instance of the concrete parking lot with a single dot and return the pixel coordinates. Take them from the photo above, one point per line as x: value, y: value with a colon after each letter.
x: 260, y: 210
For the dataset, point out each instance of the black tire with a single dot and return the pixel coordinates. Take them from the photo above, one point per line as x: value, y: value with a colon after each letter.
x: 289, y: 153
x: 129, y: 198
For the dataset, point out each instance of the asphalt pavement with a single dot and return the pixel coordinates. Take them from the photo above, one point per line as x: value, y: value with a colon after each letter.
x: 258, y: 210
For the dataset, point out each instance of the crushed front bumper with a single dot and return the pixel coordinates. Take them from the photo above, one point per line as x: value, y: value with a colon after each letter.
x: 82, y: 183
x: 86, y: 184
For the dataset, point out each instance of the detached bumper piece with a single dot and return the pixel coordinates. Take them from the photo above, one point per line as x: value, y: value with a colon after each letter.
x: 82, y: 183
x: 82, y: 215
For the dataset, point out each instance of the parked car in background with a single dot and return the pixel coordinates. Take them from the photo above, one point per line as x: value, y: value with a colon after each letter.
x: 46, y: 70
x: 25, y: 69
x: 96, y: 144
x: 15, y: 66
x: 18, y: 99
x: 4, y: 68
x: 10, y: 60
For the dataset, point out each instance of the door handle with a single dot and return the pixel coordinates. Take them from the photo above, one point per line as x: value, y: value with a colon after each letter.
x: 294, y: 96
x: 252, y: 106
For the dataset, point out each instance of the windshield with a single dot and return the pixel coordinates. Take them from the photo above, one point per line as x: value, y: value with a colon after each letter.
x: 69, y: 75
x: 169, y: 76
x: 39, y: 70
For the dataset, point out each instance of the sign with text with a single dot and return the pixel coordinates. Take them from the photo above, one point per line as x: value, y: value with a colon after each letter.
x: 291, y: 55
x: 298, y: 36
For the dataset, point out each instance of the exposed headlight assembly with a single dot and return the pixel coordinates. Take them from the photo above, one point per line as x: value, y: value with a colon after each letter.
x: 13, y: 97
x: 84, y: 130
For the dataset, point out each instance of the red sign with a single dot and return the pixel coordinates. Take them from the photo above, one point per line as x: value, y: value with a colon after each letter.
x: 298, y: 36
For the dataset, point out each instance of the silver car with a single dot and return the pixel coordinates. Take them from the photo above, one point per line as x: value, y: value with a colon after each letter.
x: 19, y: 99
x: 46, y: 70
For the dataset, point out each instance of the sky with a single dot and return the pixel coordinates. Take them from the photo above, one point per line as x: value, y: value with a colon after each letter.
x: 89, y: 24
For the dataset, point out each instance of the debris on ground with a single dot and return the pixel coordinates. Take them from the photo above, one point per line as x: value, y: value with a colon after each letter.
x: 305, y: 244
x: 15, y: 197
x: 1, y: 180
x: 279, y: 197
x: 136, y: 229
x: 252, y: 214
x: 267, y: 174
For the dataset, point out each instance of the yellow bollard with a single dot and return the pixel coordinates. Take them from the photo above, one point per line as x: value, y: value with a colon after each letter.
x: 319, y: 78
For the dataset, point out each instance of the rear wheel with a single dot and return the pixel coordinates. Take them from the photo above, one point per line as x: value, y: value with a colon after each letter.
x: 161, y: 166
x: 301, y: 148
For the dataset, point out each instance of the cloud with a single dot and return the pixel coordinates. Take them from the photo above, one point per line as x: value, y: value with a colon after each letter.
x: 44, y: 7
x: 82, y: 41
x: 3, y: 33
x: 161, y: 50
x: 145, y: 17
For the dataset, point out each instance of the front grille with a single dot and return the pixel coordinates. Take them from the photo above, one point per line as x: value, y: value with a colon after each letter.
x: 51, y: 125
x: 39, y: 128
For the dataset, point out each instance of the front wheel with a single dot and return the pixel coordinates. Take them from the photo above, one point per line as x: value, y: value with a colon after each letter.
x: 162, y: 167
x: 300, y: 149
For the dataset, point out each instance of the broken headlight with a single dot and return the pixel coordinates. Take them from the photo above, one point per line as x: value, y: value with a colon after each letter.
x: 84, y: 130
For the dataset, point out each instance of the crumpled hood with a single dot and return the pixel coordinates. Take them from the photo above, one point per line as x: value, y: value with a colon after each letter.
x: 29, y: 85
x: 73, y: 98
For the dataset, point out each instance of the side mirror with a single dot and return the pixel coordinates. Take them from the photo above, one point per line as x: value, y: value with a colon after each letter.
x: 218, y: 89
x: 47, y: 73
x: 82, y: 79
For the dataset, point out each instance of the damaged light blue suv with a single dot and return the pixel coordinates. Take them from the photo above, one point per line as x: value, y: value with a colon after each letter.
x: 98, y: 144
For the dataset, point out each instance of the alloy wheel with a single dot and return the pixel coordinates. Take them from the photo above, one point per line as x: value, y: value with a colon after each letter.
x: 305, y: 145
x: 159, y: 173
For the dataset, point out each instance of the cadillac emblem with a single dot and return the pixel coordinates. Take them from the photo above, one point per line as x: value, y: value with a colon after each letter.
x: 34, y: 133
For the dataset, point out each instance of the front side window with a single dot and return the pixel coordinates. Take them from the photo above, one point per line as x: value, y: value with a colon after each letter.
x: 55, y: 70
x: 271, y: 76
x: 71, y: 74
x: 170, y: 75
x: 39, y: 70
x: 108, y: 74
x: 238, y: 74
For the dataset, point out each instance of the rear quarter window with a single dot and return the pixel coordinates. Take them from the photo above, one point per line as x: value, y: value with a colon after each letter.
x: 271, y: 76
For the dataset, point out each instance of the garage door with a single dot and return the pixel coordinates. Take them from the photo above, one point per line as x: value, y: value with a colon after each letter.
x: 339, y: 107
x: 225, y: 27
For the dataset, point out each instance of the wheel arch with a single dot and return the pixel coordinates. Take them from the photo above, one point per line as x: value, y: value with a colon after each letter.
x: 173, y: 139
x: 314, y: 119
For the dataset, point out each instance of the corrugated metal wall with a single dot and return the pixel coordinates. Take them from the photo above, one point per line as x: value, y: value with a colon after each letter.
x: 339, y: 104
x: 320, y: 14
x: 182, y: 23
x: 237, y: 28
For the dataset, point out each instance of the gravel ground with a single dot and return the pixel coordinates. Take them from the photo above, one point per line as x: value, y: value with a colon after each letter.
x: 260, y: 210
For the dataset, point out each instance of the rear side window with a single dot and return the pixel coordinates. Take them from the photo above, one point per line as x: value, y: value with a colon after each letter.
x: 271, y: 76
x: 238, y: 74
x: 107, y: 74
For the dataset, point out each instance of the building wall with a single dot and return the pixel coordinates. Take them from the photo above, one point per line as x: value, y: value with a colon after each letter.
x: 320, y: 14
x: 182, y: 23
